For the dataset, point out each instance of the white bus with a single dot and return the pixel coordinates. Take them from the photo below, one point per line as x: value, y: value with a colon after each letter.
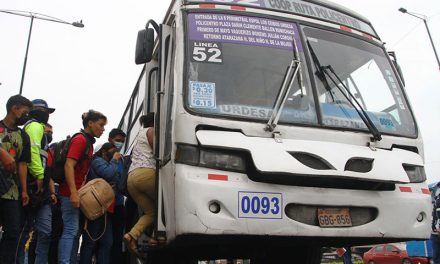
x: 281, y: 126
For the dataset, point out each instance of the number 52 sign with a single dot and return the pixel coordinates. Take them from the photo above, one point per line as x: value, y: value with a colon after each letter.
x: 262, y: 205
x: 208, y: 52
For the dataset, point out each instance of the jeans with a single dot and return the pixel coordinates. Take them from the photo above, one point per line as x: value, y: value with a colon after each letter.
x: 11, y: 218
x: 68, y: 245
x: 43, y: 227
x: 41, y: 221
x: 435, y: 239
x: 100, y: 227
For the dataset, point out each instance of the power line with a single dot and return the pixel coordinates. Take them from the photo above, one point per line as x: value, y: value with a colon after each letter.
x: 406, y: 35
x: 412, y: 29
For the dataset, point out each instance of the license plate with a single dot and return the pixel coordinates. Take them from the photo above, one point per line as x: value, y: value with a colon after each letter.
x: 334, y: 217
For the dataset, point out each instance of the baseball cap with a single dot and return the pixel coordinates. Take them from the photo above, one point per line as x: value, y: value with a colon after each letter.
x: 43, y: 104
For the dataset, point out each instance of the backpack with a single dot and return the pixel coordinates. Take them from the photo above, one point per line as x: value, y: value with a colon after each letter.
x: 122, y: 184
x: 95, y: 198
x: 57, y: 155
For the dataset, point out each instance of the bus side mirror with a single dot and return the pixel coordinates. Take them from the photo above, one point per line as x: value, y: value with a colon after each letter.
x: 144, y: 46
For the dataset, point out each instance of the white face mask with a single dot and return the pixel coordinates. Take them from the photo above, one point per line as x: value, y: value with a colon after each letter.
x: 118, y: 145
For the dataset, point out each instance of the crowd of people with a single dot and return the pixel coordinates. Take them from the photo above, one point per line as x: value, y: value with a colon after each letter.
x: 40, y: 218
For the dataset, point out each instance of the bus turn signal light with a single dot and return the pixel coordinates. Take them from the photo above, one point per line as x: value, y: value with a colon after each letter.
x: 415, y: 173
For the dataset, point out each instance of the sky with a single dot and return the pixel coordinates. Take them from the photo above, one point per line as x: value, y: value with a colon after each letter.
x: 76, y: 69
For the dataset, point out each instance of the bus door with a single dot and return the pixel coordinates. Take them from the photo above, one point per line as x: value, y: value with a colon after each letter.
x: 164, y: 128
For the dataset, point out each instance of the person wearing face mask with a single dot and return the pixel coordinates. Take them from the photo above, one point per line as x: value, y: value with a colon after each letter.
x: 40, y: 187
x: 35, y: 128
x: 99, y: 233
x: 14, y: 154
x: 117, y: 138
x: 48, y: 133
x: 56, y: 217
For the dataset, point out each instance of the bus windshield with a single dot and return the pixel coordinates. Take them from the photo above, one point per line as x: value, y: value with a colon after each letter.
x: 362, y: 73
x: 237, y: 63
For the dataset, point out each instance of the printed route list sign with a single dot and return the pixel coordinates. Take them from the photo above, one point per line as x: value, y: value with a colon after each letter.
x: 244, y: 30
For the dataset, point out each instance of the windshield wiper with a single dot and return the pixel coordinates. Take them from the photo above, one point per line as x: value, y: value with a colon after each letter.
x: 322, y: 72
x: 319, y: 72
x: 377, y: 136
x: 286, y: 85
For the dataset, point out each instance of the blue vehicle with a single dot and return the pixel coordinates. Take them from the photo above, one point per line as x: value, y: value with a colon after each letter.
x: 419, y: 248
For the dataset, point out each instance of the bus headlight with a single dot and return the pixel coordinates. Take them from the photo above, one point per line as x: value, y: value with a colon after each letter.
x: 415, y: 173
x: 187, y: 154
x: 225, y: 161
x: 229, y: 160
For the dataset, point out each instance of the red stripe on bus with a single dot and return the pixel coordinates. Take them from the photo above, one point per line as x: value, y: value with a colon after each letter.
x: 367, y: 36
x: 242, y: 8
x: 405, y: 189
x: 345, y: 28
x: 217, y: 177
x: 207, y: 5
x: 426, y: 191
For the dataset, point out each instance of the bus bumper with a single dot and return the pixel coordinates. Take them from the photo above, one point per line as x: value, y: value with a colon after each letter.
x: 400, y: 214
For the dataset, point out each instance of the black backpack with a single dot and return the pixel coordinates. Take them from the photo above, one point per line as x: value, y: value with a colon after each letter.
x: 122, y: 185
x: 57, y: 155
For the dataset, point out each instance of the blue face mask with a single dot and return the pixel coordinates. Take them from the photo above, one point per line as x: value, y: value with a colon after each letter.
x: 118, y: 145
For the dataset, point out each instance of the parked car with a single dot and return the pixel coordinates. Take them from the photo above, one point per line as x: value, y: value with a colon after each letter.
x: 390, y: 254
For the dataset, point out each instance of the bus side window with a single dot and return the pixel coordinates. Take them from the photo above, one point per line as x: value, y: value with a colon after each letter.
x: 168, y: 133
x: 150, y: 96
x: 168, y: 89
